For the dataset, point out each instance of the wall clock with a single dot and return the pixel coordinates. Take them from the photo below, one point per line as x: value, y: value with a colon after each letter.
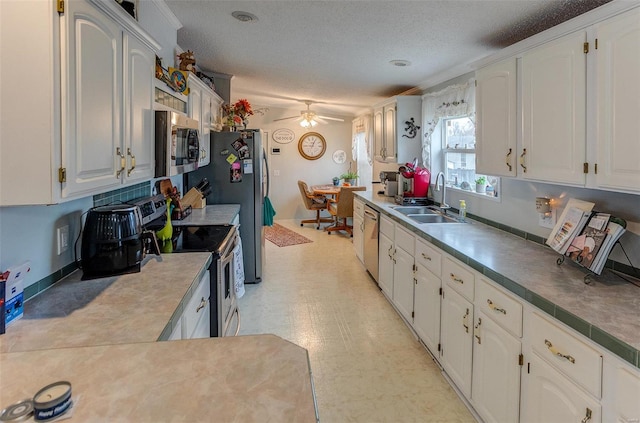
x: 339, y: 156
x: 312, y: 146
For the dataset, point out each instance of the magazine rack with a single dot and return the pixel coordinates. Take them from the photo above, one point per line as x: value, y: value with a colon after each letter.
x: 590, y: 273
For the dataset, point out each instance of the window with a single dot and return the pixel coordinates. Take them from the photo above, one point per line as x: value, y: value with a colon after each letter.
x: 458, y: 146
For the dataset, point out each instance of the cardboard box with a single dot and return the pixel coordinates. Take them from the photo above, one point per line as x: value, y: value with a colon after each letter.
x: 14, y: 292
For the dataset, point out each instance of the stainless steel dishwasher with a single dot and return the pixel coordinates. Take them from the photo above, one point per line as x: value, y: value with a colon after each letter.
x: 371, y: 224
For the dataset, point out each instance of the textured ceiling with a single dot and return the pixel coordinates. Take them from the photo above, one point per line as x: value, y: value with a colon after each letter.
x: 337, y: 53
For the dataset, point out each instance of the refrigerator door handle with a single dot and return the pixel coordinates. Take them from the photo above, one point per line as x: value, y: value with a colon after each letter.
x: 266, y: 168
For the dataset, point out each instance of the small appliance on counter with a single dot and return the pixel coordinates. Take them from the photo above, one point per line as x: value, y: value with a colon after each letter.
x: 390, y: 182
x: 413, y: 184
x: 113, y: 241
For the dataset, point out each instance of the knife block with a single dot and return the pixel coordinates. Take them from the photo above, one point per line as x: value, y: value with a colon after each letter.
x: 193, y: 198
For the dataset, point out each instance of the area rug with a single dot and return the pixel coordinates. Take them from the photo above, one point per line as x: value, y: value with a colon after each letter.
x: 284, y: 237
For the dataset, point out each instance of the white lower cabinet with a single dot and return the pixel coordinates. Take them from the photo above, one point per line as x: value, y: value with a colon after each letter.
x: 195, y: 319
x: 495, y: 389
x: 621, y: 391
x: 385, y: 264
x: 403, y: 272
x: 548, y: 396
x: 426, y: 320
x: 358, y: 229
x: 456, y: 338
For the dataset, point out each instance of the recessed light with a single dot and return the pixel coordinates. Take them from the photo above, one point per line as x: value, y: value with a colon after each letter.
x: 244, y: 16
x: 400, y: 63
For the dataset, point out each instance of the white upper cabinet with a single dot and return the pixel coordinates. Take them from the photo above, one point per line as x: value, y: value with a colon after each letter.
x: 77, y: 114
x: 618, y: 102
x: 396, y: 129
x: 204, y: 104
x: 554, y: 111
x: 496, y: 119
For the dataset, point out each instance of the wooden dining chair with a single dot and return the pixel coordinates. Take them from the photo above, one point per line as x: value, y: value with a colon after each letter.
x: 313, y: 202
x: 342, y: 208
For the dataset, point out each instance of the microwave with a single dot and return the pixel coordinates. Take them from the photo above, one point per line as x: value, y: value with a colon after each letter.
x: 177, y: 143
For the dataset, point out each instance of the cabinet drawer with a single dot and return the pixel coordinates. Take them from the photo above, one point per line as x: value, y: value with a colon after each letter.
x: 458, y: 277
x: 387, y: 226
x: 358, y: 208
x: 567, y: 353
x: 405, y: 240
x: 428, y: 256
x: 197, y: 307
x: 503, y: 309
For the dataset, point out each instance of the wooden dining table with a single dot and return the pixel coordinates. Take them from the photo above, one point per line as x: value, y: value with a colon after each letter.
x: 329, y: 190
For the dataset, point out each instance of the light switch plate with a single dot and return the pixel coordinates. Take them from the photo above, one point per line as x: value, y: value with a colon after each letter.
x: 63, y: 238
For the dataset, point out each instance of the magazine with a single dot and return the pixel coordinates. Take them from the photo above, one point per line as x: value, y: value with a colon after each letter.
x: 584, y: 247
x: 615, y: 229
x: 573, y: 218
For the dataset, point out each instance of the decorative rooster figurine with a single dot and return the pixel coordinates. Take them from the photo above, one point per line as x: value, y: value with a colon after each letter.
x: 165, y: 233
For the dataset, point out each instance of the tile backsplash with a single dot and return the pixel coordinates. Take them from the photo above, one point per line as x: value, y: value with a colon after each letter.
x: 122, y: 195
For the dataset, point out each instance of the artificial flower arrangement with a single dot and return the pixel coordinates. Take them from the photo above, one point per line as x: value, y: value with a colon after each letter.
x: 237, y: 113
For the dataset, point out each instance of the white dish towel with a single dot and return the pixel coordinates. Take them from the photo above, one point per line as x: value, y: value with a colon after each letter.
x: 238, y: 269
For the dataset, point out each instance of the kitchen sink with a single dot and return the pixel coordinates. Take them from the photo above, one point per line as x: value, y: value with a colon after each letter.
x: 420, y: 210
x: 431, y: 218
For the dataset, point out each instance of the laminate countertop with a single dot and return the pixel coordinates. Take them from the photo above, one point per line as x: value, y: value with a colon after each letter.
x: 100, y: 335
x: 215, y: 214
x: 606, y: 310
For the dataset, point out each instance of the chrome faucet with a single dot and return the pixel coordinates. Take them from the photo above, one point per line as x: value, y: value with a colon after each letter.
x: 443, y: 204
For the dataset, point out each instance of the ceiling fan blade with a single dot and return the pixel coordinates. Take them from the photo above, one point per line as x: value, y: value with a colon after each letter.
x: 285, y: 118
x: 331, y: 118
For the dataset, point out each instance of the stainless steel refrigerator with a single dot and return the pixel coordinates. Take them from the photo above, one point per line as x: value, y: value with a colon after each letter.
x: 235, y: 174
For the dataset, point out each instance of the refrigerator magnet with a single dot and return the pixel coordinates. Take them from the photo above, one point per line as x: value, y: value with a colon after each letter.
x: 236, y: 173
x: 231, y: 158
x: 242, y: 148
x: 247, y: 166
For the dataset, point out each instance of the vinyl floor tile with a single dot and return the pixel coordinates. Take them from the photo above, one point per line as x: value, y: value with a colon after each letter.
x: 367, y: 365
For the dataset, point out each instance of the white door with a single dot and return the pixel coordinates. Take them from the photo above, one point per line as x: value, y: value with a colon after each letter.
x: 139, y: 118
x: 403, y: 283
x: 547, y: 396
x: 385, y: 264
x: 496, y: 119
x: 426, y: 320
x: 554, y: 111
x: 91, y: 100
x: 456, y: 338
x: 618, y: 94
x: 496, y: 372
x: 378, y: 133
x: 390, y: 131
x: 358, y: 234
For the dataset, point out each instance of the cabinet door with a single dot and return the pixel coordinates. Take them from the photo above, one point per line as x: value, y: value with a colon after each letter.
x: 426, y: 321
x: 378, y: 134
x: 385, y: 264
x: 496, y: 119
x: 358, y: 233
x: 549, y: 397
x: 618, y: 90
x: 390, y: 132
x: 554, y: 111
x: 496, y: 372
x: 205, y: 124
x: 403, y: 283
x: 139, y: 122
x: 456, y: 338
x: 195, y: 109
x: 623, y: 382
x: 91, y: 100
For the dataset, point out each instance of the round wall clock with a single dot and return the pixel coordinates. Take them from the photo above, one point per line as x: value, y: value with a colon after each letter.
x: 312, y: 146
x: 339, y: 156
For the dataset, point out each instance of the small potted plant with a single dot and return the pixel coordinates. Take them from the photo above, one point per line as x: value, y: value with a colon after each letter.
x: 349, y: 177
x: 336, y: 181
x: 481, y: 184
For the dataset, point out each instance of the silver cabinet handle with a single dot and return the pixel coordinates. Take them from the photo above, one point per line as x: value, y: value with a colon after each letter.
x: 507, y: 160
x: 524, y: 153
x: 555, y: 351
x: 493, y: 307
x: 455, y: 278
x: 238, y: 328
x: 203, y: 304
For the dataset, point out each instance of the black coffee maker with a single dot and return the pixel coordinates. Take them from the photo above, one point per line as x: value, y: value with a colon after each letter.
x: 113, y: 241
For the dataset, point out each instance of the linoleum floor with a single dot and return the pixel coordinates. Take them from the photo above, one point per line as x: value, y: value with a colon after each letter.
x: 367, y: 366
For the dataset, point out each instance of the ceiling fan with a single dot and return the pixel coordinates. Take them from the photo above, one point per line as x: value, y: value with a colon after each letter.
x: 308, y: 118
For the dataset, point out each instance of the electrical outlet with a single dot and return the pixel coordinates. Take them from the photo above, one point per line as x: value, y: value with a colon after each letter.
x: 547, y: 221
x: 63, y: 238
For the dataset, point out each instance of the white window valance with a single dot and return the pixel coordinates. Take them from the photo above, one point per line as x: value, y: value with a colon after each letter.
x: 455, y: 100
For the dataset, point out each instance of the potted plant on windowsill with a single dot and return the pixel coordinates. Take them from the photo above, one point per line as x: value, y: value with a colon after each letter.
x: 481, y: 184
x: 349, y: 178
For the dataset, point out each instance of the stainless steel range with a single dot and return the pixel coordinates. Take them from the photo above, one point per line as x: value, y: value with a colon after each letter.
x: 220, y: 240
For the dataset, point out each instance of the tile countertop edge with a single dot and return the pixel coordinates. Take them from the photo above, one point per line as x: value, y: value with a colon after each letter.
x: 567, y: 315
